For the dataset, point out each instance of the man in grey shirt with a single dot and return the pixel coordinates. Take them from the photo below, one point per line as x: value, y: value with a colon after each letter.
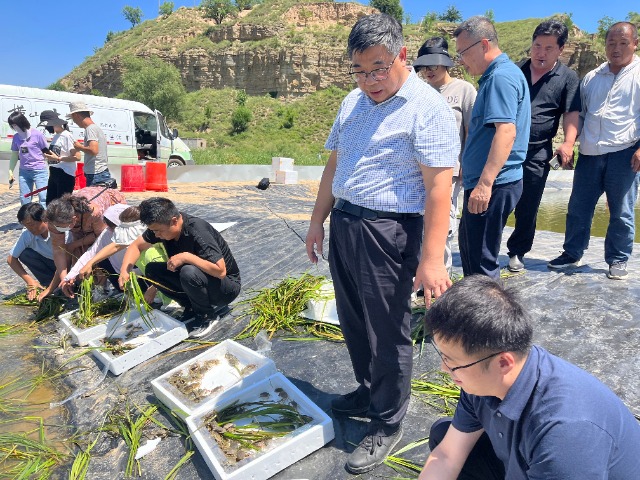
x: 95, y: 145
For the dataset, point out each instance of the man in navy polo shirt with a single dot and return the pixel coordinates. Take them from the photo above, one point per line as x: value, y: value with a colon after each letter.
x: 523, y: 412
x: 495, y: 148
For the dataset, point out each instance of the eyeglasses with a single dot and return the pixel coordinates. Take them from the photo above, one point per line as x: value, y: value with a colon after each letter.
x: 453, y: 369
x: 459, y: 55
x: 378, y: 74
x: 422, y: 71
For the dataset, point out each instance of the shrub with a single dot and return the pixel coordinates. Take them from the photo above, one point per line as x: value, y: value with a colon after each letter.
x: 133, y: 15
x: 240, y: 119
x: 166, y: 9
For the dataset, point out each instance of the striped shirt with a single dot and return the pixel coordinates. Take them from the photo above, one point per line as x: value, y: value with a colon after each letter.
x: 381, y: 146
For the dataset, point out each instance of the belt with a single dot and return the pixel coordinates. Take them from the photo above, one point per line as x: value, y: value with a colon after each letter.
x: 369, y: 214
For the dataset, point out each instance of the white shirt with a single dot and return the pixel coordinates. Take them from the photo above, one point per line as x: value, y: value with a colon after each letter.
x: 610, y: 109
x: 61, y: 145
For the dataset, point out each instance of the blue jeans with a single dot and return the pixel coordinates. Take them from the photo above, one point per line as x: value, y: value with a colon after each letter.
x: 27, y: 179
x: 94, y: 178
x: 594, y: 175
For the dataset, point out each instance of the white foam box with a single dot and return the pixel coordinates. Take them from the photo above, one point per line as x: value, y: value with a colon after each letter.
x: 222, y: 380
x: 323, y: 309
x: 81, y: 336
x: 281, y: 452
x: 287, y: 177
x: 147, y: 342
x: 281, y: 163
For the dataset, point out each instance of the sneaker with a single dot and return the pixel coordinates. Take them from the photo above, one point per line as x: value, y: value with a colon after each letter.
x: 187, y: 315
x: 617, y: 271
x: 564, y: 261
x: 515, y: 263
x: 372, y: 451
x: 201, y: 325
x: 354, y: 404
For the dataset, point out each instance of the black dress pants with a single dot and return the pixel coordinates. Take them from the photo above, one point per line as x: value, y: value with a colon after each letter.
x: 480, y: 235
x: 534, y: 177
x: 40, y: 267
x: 60, y: 183
x: 372, y: 264
x: 192, y: 288
x: 482, y: 463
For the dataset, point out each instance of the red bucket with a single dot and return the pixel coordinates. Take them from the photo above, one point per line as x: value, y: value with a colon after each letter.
x: 156, y: 177
x: 132, y: 178
x: 81, y: 180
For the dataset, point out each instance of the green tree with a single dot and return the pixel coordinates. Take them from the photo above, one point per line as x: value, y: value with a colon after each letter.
x: 603, y: 25
x: 166, y: 9
x: 244, y: 4
x: 451, y: 14
x: 241, y: 97
x: 390, y: 7
x: 133, y: 15
x: 155, y: 83
x: 428, y: 22
x: 218, y: 10
x: 490, y: 15
x: 58, y: 86
x: 240, y: 119
x: 634, y: 17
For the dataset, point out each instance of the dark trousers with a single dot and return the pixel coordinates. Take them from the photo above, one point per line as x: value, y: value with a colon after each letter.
x: 372, y: 265
x: 482, y: 463
x: 112, y: 275
x: 480, y: 235
x: 40, y: 267
x: 192, y: 288
x: 59, y: 183
x: 534, y: 176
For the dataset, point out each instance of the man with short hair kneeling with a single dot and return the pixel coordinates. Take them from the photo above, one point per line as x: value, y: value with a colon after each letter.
x: 523, y: 413
x: 201, y: 273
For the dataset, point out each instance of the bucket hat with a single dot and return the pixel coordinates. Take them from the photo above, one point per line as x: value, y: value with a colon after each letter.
x: 127, y: 232
x: 113, y: 213
x: 49, y: 118
x: 433, y: 56
x: 75, y: 107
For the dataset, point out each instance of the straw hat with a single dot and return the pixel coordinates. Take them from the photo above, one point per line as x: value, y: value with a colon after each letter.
x: 76, y: 107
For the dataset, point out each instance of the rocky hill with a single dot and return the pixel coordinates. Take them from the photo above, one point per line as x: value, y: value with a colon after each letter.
x: 282, y: 48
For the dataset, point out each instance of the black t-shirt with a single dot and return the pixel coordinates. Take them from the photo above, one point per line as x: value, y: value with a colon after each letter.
x: 555, y: 93
x: 201, y: 239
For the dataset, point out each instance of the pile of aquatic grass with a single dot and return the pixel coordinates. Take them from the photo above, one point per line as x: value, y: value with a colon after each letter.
x: 438, y: 391
x: 242, y: 427
x: 28, y: 455
x: 404, y: 466
x: 318, y: 331
x: 50, y: 307
x: 19, y: 299
x: 278, y: 308
x: 6, y: 329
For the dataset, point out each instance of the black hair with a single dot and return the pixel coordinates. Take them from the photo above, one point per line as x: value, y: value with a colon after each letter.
x: 32, y: 210
x: 477, y: 28
x: 482, y: 316
x: 554, y: 28
x: 438, y: 42
x: 158, y: 210
x: 18, y: 119
x: 374, y: 30
x: 620, y: 26
x: 62, y: 210
x: 109, y: 223
x: 131, y: 214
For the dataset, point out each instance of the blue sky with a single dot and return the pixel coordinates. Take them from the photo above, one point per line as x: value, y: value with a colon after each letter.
x: 41, y: 42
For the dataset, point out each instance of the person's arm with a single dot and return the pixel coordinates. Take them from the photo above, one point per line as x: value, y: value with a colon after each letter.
x: 91, y: 148
x: 570, y: 122
x: 635, y: 161
x: 321, y: 209
x: 498, y: 154
x: 131, y: 257
x: 13, y: 161
x: 32, y: 284
x: 432, y: 273
x: 61, y: 259
x: 447, y: 459
x: 217, y: 269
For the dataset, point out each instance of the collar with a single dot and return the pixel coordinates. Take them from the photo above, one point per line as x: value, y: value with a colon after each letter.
x: 604, y: 68
x: 520, y: 392
x: 502, y: 58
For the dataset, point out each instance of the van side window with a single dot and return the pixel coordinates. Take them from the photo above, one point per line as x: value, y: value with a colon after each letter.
x: 164, y: 130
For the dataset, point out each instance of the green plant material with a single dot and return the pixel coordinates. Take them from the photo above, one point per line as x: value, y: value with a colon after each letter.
x: 438, y: 391
x: 240, y: 119
x: 85, y: 301
x: 80, y: 465
x: 101, y: 310
x: 132, y: 15
x: 390, y: 7
x: 218, y: 10
x: 319, y: 331
x: 278, y: 308
x: 404, y: 466
x: 173, y: 473
x: 133, y: 296
x: 20, y: 300
x: 166, y: 9
x: 242, y: 427
x: 6, y: 329
x: 49, y: 308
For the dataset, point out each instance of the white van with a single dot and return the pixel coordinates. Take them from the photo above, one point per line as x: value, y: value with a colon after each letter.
x: 134, y: 132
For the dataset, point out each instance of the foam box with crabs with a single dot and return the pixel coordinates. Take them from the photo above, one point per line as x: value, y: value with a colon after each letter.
x: 143, y: 341
x: 81, y: 336
x: 218, y: 373
x: 278, y: 453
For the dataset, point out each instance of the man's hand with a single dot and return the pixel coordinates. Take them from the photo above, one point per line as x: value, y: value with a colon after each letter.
x: 175, y: 262
x: 123, y: 279
x: 86, y: 271
x: 315, y: 237
x: 78, y: 146
x: 32, y: 290
x: 433, y: 278
x: 67, y: 287
x: 565, y: 151
x: 45, y: 293
x: 479, y: 199
x: 635, y: 161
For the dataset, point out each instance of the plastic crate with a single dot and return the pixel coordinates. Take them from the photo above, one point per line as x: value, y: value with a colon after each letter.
x: 279, y: 453
x: 220, y: 381
x: 166, y: 333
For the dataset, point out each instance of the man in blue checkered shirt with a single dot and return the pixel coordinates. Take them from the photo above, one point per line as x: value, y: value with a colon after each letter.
x: 393, y: 145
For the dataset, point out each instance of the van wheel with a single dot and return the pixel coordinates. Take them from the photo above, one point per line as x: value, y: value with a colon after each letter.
x: 174, y: 162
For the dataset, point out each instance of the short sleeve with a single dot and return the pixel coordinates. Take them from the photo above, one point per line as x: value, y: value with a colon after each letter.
x: 437, y: 138
x: 468, y: 100
x: 573, y: 101
x: 91, y: 135
x: 208, y: 247
x: 24, y: 240
x: 501, y: 104
x: 15, y: 143
x: 465, y: 419
x: 332, y: 139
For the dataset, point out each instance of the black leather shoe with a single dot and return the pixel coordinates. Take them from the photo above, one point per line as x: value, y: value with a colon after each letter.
x: 372, y: 451
x: 353, y: 404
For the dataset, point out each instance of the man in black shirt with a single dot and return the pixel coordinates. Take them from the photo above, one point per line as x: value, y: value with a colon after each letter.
x: 553, y: 88
x: 201, y: 273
